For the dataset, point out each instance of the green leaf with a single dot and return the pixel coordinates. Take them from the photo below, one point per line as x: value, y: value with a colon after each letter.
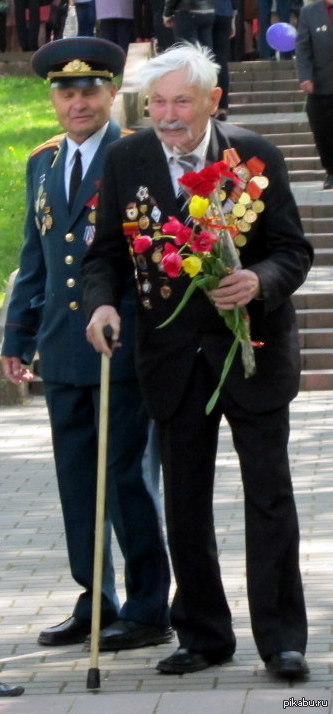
x: 226, y: 367
x: 187, y: 294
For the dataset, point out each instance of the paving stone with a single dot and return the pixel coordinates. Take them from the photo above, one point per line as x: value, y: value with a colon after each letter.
x: 200, y: 702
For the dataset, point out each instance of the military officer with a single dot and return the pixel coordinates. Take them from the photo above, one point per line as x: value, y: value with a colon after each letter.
x: 63, y: 176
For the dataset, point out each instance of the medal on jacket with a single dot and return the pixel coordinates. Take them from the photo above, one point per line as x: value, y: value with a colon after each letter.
x: 44, y: 222
x: 92, y: 204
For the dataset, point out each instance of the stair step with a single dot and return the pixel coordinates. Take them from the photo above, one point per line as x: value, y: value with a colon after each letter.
x: 290, y: 96
x: 257, y: 84
x: 294, y: 139
x: 307, y: 318
x: 274, y: 127
x: 320, y: 210
x: 313, y: 301
x: 318, y: 225
x: 292, y: 151
x: 316, y: 338
x: 316, y: 358
x: 299, y: 163
x: 320, y: 240
x: 323, y: 256
x: 317, y: 379
x: 313, y: 175
x: 266, y: 107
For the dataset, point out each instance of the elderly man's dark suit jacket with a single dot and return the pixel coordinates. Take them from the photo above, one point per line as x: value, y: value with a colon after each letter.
x: 314, y: 47
x: 276, y: 250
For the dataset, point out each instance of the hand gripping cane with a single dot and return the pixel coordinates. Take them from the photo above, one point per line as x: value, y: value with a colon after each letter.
x: 93, y: 678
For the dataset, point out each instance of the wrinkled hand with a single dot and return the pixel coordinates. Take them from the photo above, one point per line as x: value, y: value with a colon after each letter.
x: 307, y: 86
x: 104, y: 315
x: 236, y: 289
x: 15, y: 371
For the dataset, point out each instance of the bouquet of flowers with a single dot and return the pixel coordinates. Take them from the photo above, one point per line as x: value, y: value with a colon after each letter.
x: 206, y: 251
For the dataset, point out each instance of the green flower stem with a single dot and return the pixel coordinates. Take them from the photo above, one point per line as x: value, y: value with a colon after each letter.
x: 226, y: 367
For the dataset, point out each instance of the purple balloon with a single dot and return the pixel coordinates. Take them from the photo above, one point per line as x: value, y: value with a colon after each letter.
x: 281, y: 36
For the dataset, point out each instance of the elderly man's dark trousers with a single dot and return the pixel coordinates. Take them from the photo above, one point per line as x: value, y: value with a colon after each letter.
x: 200, y: 612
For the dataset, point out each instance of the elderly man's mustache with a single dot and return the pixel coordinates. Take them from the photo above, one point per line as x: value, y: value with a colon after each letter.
x: 172, y: 125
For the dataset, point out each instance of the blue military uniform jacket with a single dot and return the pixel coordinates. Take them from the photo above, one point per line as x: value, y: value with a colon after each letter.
x: 45, y: 312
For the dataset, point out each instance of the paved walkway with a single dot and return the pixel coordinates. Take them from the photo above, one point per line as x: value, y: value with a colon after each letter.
x: 37, y: 590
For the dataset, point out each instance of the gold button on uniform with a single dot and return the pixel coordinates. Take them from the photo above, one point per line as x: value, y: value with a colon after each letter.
x: 69, y: 259
x: 73, y: 305
x: 69, y: 237
x: 70, y: 282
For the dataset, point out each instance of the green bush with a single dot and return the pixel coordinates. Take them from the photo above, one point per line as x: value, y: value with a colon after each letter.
x: 27, y: 119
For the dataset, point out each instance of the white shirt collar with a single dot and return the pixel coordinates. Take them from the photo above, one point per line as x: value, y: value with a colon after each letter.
x: 87, y: 149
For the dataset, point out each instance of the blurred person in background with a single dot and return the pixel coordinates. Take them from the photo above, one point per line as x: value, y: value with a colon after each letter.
x: 223, y: 30
x: 86, y: 17
x: 314, y: 57
x: 115, y: 20
x: 191, y: 20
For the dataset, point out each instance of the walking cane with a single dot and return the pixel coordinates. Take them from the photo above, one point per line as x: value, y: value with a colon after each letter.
x: 93, y: 677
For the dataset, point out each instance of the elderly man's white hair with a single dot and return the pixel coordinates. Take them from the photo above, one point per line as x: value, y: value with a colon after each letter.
x: 198, y: 60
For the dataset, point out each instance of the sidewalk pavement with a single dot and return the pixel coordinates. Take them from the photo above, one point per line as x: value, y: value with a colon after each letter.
x: 37, y: 590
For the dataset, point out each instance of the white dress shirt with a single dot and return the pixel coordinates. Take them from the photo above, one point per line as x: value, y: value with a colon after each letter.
x: 88, y: 150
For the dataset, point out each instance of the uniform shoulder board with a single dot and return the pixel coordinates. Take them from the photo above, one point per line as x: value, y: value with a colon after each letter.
x: 126, y: 132
x: 52, y: 143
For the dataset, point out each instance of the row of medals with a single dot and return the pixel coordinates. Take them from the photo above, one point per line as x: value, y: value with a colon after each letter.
x: 42, y: 205
x: 139, y: 212
x: 47, y: 220
x: 240, y: 210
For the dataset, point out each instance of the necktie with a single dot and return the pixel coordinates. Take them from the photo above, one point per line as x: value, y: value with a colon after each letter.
x: 188, y: 162
x: 75, y: 179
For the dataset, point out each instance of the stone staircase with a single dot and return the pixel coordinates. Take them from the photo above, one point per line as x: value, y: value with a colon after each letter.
x: 264, y: 96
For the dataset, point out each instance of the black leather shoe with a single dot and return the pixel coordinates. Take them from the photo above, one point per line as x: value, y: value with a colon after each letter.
x: 328, y: 181
x: 126, y: 635
x: 7, y: 691
x: 183, y: 660
x: 69, y: 632
x: 287, y: 665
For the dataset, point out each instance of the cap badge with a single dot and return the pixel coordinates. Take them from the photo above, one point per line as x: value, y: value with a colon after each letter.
x: 76, y: 65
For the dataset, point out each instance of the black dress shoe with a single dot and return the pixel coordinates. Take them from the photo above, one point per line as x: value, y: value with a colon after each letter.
x: 328, y: 181
x: 69, y: 632
x: 184, y: 660
x: 7, y: 691
x: 287, y: 665
x: 126, y: 635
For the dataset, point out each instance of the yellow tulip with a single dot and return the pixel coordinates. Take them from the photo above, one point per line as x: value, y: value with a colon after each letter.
x: 192, y: 265
x: 198, y: 206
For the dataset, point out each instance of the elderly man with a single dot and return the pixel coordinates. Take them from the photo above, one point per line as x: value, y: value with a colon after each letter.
x: 46, y: 312
x: 179, y: 364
